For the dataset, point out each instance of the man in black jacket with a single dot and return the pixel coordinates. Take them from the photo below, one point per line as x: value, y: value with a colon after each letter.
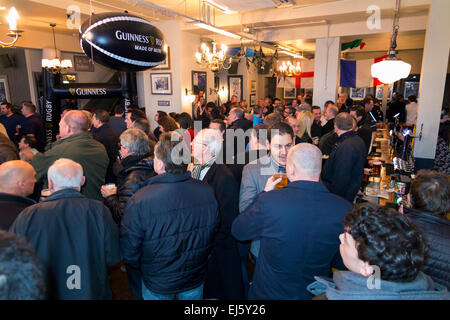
x: 344, y: 170
x: 363, y: 123
x: 236, y: 120
x: 330, y: 114
x: 17, y: 179
x: 133, y: 170
x: 109, y: 138
x: 75, y: 238
x: 224, y: 275
x: 32, y: 125
x: 168, y: 228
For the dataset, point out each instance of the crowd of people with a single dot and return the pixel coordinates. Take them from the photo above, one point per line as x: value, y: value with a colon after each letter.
x: 237, y: 202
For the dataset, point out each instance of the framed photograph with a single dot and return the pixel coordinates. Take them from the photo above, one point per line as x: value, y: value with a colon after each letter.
x: 290, y: 93
x: 357, y: 93
x: 199, y: 82
x: 252, y: 99
x: 379, y: 93
x: 235, y: 87
x: 252, y: 85
x: 165, y: 65
x: 83, y: 64
x: 4, y: 89
x: 161, y: 83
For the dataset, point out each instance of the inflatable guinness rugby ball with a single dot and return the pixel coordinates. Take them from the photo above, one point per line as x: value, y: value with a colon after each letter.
x: 122, y: 41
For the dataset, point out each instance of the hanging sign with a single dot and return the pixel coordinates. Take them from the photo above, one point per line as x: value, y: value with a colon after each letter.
x: 122, y: 41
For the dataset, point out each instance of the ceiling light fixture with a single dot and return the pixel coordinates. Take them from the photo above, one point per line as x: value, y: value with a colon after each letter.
x: 288, y: 69
x: 215, y: 60
x: 56, y: 65
x: 220, y: 7
x: 392, y: 68
x: 12, y: 18
x: 214, y: 29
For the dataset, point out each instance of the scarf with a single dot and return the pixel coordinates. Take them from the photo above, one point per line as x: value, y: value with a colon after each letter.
x: 196, y: 169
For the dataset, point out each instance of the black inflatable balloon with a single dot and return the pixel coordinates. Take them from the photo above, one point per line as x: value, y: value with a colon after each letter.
x: 122, y: 41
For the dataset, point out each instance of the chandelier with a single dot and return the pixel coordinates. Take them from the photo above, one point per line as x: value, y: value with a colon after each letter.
x: 289, y: 70
x: 392, y: 68
x: 12, y: 31
x: 56, y: 65
x: 215, y: 60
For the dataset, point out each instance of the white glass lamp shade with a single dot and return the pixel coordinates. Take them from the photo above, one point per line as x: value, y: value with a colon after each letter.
x: 390, y: 70
x: 67, y: 63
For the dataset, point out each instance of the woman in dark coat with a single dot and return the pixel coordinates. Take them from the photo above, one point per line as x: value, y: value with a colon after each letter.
x: 135, y: 168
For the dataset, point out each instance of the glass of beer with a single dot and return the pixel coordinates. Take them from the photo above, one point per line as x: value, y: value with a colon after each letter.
x: 45, y: 193
x: 376, y: 168
x: 283, y: 182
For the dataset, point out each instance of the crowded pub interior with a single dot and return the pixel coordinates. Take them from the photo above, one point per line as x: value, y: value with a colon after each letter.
x: 224, y: 150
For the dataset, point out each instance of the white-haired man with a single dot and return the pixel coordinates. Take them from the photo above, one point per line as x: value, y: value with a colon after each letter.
x: 76, y: 143
x: 75, y: 238
x: 297, y: 225
x: 224, y: 277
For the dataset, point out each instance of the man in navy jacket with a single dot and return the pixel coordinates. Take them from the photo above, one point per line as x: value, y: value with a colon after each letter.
x: 298, y: 225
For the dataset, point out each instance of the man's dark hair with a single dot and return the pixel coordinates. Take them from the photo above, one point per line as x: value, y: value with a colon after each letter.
x: 30, y: 140
x: 367, y: 101
x: 430, y: 192
x: 165, y: 150
x: 217, y: 113
x: 142, y: 124
x: 168, y: 123
x: 137, y: 114
x: 359, y: 111
x: 102, y: 116
x: 185, y: 121
x: 260, y: 131
x: 327, y: 103
x: 223, y: 126
x: 308, y: 100
x: 412, y: 98
x: 119, y: 109
x: 21, y: 276
x: 210, y: 105
x: 272, y: 119
x: 174, y: 115
x: 29, y: 105
x: 275, y: 100
x: 161, y: 113
x: 348, y: 102
x: 280, y: 128
x: 315, y: 108
x: 7, y: 105
x: 387, y: 239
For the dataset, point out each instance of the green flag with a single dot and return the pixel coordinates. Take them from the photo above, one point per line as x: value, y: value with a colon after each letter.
x: 353, y: 44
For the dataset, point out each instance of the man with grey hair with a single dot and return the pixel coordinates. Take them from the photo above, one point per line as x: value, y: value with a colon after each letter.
x: 344, y: 169
x: 223, y: 277
x: 75, y: 238
x: 297, y: 225
x: 236, y: 120
x: 76, y: 143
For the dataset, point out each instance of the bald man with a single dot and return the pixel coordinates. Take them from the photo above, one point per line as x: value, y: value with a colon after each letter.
x: 77, y: 144
x: 17, y: 179
x: 299, y: 227
x: 75, y: 238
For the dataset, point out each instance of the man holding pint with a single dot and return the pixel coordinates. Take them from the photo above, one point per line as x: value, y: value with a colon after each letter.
x: 298, y: 226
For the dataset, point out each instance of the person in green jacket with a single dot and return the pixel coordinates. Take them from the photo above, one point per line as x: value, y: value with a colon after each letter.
x: 77, y: 144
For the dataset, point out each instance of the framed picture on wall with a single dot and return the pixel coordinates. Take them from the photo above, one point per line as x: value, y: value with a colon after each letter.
x: 252, y: 99
x: 161, y: 83
x: 357, y: 93
x: 165, y: 65
x: 290, y: 93
x: 235, y: 87
x: 252, y: 85
x: 4, y: 89
x: 199, y: 82
x: 83, y: 64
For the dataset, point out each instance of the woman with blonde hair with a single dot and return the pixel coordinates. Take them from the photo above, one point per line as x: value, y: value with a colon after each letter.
x: 305, y: 120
